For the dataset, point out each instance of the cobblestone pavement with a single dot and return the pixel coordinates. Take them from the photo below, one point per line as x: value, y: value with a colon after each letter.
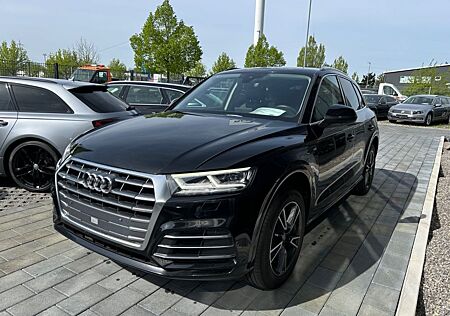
x: 352, y: 263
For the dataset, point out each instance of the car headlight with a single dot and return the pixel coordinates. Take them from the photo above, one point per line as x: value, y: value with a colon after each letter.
x: 67, y: 152
x: 209, y: 182
x: 417, y: 112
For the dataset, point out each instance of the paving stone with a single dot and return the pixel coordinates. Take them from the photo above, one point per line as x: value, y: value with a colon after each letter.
x: 107, y: 268
x: 8, y: 234
x: 118, y: 302
x: 76, y: 253
x: 85, y: 263
x: 389, y: 278
x: 310, y: 299
x: 33, y: 235
x: 324, y: 278
x: 79, y: 282
x: 36, y: 303
x: 328, y: 311
x: 53, y: 311
x: 13, y: 296
x: 33, y: 226
x: 369, y: 310
x: 49, y: 279
x: 118, y: 280
x: 20, y: 262
x: 220, y: 311
x: 345, y: 301
x: 57, y: 248
x: 82, y: 300
x: 238, y: 297
x: 7, y: 244
x: 382, y: 298
x: 147, y: 285
x: 137, y: 311
x: 45, y: 266
x: 21, y: 250
x: 160, y: 301
x: 335, y: 262
x: 11, y: 280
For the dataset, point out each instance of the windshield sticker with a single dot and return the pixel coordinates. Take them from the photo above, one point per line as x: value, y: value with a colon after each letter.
x: 268, y: 111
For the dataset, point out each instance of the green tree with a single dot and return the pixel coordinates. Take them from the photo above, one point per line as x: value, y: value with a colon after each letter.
x: 428, y: 81
x: 223, y: 62
x: 263, y: 55
x: 199, y: 70
x: 67, y: 61
x: 341, y: 64
x: 12, y: 58
x: 86, y: 52
x: 117, y: 68
x: 368, y: 80
x: 315, y: 55
x: 355, y: 77
x: 380, y: 79
x: 165, y: 45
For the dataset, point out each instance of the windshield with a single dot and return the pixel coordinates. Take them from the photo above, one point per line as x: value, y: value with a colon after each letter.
x: 249, y: 93
x: 419, y: 100
x: 372, y: 98
x: 82, y: 75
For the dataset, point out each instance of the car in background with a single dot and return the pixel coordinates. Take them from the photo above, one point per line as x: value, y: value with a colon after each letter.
x: 424, y: 109
x: 224, y: 183
x: 380, y: 104
x: 147, y: 97
x: 385, y: 89
x: 39, y: 117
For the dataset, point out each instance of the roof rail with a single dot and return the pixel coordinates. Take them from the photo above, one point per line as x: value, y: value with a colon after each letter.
x: 332, y: 68
x: 47, y: 80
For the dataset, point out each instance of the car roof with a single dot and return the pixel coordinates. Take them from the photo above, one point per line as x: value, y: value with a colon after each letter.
x: 377, y: 95
x: 67, y: 84
x: 150, y: 83
x: 426, y: 95
x: 298, y: 70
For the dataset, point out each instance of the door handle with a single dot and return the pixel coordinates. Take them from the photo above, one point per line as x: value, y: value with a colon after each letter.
x: 3, y: 123
x: 350, y: 137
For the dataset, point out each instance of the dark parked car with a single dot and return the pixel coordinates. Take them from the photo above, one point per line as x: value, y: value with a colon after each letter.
x: 380, y: 104
x: 224, y: 183
x: 147, y: 97
x: 40, y: 117
x: 424, y: 109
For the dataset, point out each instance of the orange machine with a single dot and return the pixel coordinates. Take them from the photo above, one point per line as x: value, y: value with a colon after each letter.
x: 92, y: 73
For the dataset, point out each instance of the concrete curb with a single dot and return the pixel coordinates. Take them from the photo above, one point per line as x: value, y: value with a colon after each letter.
x: 410, y: 290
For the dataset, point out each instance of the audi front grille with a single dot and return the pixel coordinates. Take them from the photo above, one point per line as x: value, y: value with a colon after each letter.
x: 116, y: 204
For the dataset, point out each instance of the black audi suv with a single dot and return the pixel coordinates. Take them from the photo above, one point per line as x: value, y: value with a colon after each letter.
x: 224, y: 183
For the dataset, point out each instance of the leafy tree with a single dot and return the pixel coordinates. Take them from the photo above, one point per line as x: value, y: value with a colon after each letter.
x: 117, y: 68
x: 263, y: 55
x: 368, y: 80
x: 199, y: 70
x: 423, y: 81
x: 341, y: 64
x: 380, y: 79
x: 165, y: 44
x: 223, y: 62
x: 12, y: 57
x: 86, y: 52
x: 355, y: 77
x: 315, y: 55
x: 67, y: 61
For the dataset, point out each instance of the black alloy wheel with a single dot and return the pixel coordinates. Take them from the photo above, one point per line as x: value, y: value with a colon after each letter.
x: 280, y: 241
x: 32, y: 166
x: 428, y: 119
x: 365, y: 184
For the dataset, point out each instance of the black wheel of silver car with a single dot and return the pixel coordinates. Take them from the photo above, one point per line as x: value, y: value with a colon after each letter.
x: 428, y: 119
x: 365, y: 184
x: 280, y: 241
x: 32, y: 166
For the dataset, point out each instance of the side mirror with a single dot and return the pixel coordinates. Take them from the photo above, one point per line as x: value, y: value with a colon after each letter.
x: 438, y: 105
x: 173, y: 101
x: 339, y: 114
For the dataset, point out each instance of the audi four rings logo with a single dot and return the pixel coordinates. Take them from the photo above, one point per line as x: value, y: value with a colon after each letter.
x: 100, y: 182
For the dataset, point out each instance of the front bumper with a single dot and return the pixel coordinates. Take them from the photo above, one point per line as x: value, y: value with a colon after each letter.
x: 418, y: 118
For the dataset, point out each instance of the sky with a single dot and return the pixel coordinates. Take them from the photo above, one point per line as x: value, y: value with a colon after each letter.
x: 390, y: 34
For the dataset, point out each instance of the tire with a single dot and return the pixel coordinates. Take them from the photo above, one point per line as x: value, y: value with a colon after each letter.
x: 31, y: 166
x: 363, y: 187
x: 428, y: 119
x: 270, y: 270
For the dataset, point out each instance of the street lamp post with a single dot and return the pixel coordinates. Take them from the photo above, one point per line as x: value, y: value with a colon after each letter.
x: 368, y: 74
x: 259, y: 20
x: 307, y: 34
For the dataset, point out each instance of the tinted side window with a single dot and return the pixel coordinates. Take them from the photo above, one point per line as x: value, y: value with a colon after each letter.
x: 115, y: 89
x: 391, y: 99
x: 173, y: 94
x: 360, y: 97
x: 99, y: 101
x: 5, y: 99
x: 329, y: 94
x: 144, y: 95
x: 350, y: 95
x: 443, y: 101
x: 38, y: 100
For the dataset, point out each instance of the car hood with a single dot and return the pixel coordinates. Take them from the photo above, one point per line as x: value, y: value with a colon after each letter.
x: 412, y: 107
x: 172, y: 142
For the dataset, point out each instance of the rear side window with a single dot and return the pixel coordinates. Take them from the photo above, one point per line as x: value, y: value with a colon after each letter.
x: 144, y: 95
x: 173, y: 94
x: 115, y: 90
x: 38, y: 100
x: 350, y: 95
x: 329, y: 94
x: 99, y: 101
x: 5, y: 99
